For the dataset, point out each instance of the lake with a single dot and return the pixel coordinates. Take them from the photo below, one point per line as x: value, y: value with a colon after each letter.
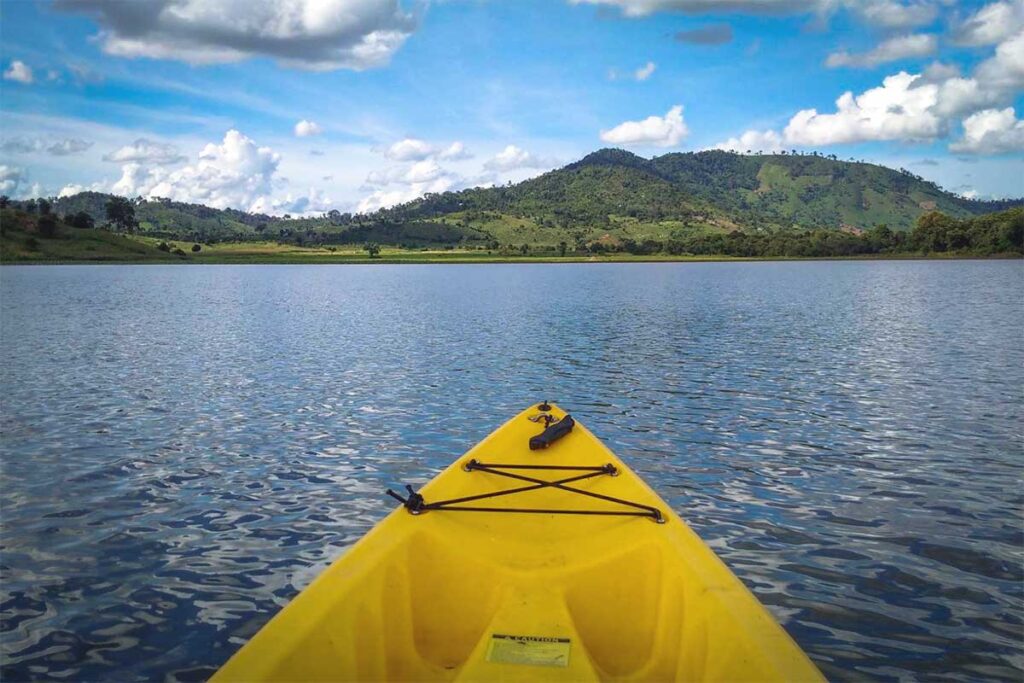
x: 185, y: 447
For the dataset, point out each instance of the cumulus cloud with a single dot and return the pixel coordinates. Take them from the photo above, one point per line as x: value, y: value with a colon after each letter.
x: 63, y: 147
x: 921, y: 107
x: 385, y: 198
x: 145, y: 151
x: 309, y: 204
x: 414, y: 149
x: 715, y: 34
x: 10, y: 178
x: 992, y: 131
x: 421, y: 174
x: 991, y: 24
x: 235, y: 173
x: 74, y: 188
x: 894, y: 49
x: 894, y: 111
x: 885, y: 14
x: 410, y: 149
x: 455, y: 152
x: 305, y: 129
x: 753, y: 141
x: 890, y: 14
x: 658, y: 131
x: 642, y: 8
x: 424, y: 171
x: 512, y: 158
x: 311, y: 34
x: 68, y: 146
x: 994, y: 81
x: 19, y: 71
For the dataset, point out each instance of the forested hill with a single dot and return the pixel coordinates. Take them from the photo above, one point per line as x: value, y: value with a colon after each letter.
x: 716, y: 188
x: 610, y: 197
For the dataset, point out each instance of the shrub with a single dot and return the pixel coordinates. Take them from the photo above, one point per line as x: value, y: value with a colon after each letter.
x: 178, y: 252
x: 163, y: 246
x: 195, y: 248
x: 32, y: 243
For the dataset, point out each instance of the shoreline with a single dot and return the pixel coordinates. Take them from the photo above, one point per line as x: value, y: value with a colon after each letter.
x: 435, y: 259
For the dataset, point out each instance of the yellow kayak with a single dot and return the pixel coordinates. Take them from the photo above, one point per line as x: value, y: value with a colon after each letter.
x: 580, y: 573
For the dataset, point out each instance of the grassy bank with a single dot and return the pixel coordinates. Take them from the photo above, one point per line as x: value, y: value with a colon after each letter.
x: 114, y: 249
x: 26, y: 238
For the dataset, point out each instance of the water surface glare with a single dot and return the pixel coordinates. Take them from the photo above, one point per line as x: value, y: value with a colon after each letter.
x: 185, y: 447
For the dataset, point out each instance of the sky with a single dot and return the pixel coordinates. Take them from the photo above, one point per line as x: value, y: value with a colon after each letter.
x: 302, y: 106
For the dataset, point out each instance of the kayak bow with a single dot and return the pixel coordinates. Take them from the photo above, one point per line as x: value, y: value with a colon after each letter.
x: 569, y: 577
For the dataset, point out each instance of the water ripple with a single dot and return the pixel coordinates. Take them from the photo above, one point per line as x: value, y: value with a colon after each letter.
x: 184, y: 449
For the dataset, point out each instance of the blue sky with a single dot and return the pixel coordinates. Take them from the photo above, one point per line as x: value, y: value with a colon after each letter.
x: 202, y: 101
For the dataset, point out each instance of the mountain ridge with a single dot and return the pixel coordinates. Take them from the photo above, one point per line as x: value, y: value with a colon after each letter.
x: 610, y: 194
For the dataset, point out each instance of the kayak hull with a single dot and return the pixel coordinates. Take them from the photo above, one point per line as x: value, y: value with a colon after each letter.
x: 456, y: 595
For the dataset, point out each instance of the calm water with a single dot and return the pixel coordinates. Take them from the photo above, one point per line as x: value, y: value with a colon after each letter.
x: 185, y: 447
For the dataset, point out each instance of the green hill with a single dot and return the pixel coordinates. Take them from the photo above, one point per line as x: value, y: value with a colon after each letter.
x: 716, y: 188
x: 609, y: 198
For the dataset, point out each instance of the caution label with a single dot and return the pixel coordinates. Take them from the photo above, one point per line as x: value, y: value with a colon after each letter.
x: 531, y: 650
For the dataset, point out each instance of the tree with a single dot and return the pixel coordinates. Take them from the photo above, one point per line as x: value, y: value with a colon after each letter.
x: 562, y: 247
x: 4, y: 201
x: 372, y: 248
x: 121, y: 213
x: 47, y: 226
x: 44, y: 207
x: 81, y: 220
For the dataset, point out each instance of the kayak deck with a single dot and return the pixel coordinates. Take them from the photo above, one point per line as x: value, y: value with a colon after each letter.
x: 486, y: 595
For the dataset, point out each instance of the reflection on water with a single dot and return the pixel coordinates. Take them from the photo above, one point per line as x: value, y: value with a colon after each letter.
x: 185, y: 447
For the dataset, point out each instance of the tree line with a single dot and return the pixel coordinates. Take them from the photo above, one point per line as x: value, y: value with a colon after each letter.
x: 935, y: 232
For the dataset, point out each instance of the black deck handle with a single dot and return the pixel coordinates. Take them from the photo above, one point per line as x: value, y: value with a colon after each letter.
x: 552, y: 433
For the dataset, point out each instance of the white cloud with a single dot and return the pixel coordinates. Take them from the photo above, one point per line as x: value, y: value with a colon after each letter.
x: 236, y: 173
x: 455, y: 152
x: 147, y: 152
x: 10, y: 178
x: 311, y: 34
x: 890, y: 14
x: 666, y: 131
x: 921, y: 107
x: 995, y: 81
x: 384, y: 198
x: 312, y: 203
x: 887, y: 14
x: 19, y: 71
x: 410, y: 149
x: 753, y: 140
x: 644, y: 72
x: 992, y: 24
x: 423, y: 172
x: 642, y: 8
x: 992, y: 131
x: 61, y: 147
x: 894, y: 111
x: 513, y: 157
x: 74, y: 188
x: 891, y: 50
x: 305, y: 129
x: 68, y: 146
